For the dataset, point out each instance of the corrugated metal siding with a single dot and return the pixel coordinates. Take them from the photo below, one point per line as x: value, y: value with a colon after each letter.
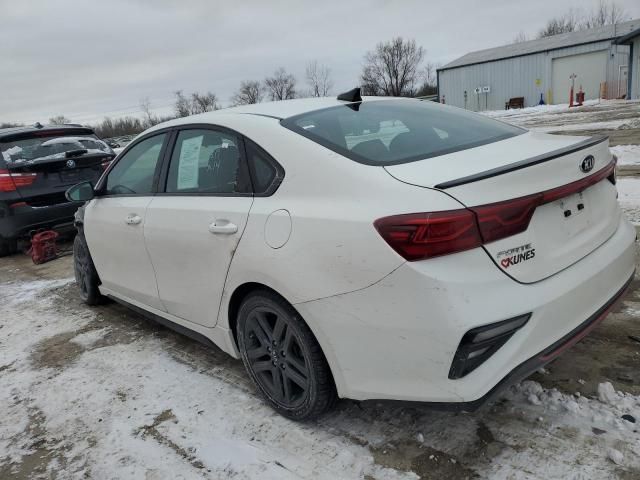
x: 634, y: 70
x: 516, y: 77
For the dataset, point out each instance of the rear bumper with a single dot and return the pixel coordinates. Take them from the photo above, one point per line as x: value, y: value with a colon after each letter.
x: 22, y: 220
x: 396, y: 339
x: 528, y: 367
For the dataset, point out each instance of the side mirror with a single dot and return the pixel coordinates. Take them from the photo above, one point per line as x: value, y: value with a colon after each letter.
x: 81, y: 192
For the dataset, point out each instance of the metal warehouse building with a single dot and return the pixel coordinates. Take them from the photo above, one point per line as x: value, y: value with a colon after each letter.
x: 486, y: 79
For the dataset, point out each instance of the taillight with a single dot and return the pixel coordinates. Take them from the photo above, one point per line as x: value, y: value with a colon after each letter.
x: 503, y: 219
x: 9, y: 182
x: 418, y: 236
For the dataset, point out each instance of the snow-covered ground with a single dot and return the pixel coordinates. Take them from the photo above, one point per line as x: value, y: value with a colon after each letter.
x: 91, y: 397
x: 627, y: 154
x: 605, y: 115
x: 629, y: 198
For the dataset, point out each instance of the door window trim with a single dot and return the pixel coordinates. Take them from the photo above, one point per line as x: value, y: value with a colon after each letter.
x: 169, y: 133
x: 162, y: 168
x: 164, y: 173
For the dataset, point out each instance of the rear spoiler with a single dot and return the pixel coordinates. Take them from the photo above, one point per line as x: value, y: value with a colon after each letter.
x: 47, y: 132
x: 494, y: 172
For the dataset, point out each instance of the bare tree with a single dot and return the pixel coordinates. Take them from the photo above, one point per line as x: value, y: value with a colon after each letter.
x: 393, y: 68
x: 145, y: 106
x: 429, y: 76
x: 250, y: 91
x: 59, y: 120
x: 205, y: 102
x: 182, y: 106
x: 521, y: 37
x: 109, y: 128
x: 569, y: 22
x: 605, y: 13
x: 281, y: 86
x: 319, y: 79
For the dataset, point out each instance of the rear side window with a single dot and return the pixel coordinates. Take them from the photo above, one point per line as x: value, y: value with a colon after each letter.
x: 265, y: 173
x: 207, y: 161
x: 398, y: 131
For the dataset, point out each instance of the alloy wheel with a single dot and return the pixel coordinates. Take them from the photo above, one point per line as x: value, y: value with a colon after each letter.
x: 276, y: 358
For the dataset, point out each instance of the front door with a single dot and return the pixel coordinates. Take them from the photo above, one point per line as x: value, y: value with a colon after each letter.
x: 192, y: 229
x: 114, y: 224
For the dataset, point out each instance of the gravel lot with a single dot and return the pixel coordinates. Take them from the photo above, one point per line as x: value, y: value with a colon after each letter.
x: 103, y: 393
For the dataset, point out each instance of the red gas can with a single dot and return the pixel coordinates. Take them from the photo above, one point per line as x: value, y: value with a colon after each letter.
x: 43, y: 247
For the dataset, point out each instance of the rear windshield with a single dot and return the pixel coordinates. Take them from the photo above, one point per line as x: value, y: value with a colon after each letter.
x: 51, y: 147
x: 398, y: 131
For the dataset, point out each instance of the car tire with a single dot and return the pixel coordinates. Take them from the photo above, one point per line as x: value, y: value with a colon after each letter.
x: 8, y: 246
x: 85, y: 272
x: 283, y: 357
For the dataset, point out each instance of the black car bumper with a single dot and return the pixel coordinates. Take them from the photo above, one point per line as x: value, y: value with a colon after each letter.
x: 21, y: 221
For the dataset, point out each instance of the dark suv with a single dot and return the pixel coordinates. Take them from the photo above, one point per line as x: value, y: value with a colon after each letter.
x: 37, y: 165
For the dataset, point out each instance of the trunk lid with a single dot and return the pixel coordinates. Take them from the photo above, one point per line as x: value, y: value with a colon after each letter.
x: 574, y: 222
x: 45, y: 181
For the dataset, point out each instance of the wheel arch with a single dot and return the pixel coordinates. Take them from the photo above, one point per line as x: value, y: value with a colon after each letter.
x: 242, y: 291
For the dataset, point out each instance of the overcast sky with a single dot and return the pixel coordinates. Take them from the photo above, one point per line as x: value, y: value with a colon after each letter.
x: 87, y: 58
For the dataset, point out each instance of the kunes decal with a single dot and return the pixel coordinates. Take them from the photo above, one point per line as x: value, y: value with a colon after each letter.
x: 515, y: 255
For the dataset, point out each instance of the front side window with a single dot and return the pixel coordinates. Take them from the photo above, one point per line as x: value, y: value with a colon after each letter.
x: 206, y: 161
x: 134, y: 172
x: 389, y: 132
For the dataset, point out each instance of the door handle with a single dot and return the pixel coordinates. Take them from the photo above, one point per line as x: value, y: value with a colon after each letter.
x: 133, y: 219
x: 223, y: 226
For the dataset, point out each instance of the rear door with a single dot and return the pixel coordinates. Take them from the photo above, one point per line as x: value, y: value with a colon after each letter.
x: 193, y: 227
x: 43, y: 165
x: 114, y: 222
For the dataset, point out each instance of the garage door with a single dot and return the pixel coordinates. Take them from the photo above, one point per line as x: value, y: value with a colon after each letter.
x: 590, y: 70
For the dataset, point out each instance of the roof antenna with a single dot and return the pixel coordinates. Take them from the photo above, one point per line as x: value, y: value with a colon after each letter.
x: 351, y: 96
x: 37, y: 125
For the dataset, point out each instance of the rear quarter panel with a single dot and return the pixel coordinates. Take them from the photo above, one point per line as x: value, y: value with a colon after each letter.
x: 333, y: 247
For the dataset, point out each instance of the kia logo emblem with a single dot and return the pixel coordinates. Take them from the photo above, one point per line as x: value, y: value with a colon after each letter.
x: 71, y: 163
x: 587, y: 164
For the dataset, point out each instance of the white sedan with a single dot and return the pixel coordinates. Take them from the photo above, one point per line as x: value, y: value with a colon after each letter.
x: 375, y: 248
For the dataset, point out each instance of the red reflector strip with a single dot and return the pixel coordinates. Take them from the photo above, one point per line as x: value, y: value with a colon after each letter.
x: 579, y: 185
x: 18, y: 205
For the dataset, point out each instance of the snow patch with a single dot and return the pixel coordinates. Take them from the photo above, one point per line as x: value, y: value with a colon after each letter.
x: 627, y: 154
x: 89, y: 338
x: 629, y: 198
